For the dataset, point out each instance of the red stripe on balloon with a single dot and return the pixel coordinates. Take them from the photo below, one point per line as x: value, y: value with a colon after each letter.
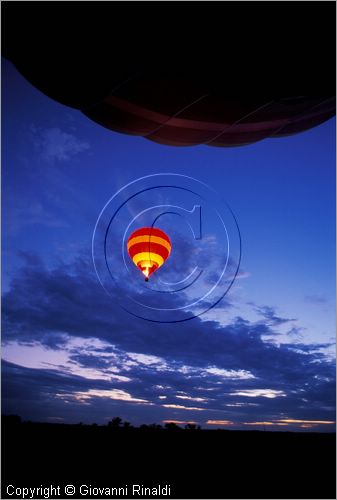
x: 148, y: 248
x: 148, y: 231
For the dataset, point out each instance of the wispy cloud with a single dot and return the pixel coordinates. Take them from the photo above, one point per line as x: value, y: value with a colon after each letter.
x: 293, y: 423
x: 220, y: 422
x: 263, y: 424
x: 190, y: 398
x: 229, y: 374
x: 181, y: 407
x: 54, y: 144
x: 297, y: 421
x: 259, y: 393
x: 269, y: 315
x: 116, y: 394
x: 179, y: 422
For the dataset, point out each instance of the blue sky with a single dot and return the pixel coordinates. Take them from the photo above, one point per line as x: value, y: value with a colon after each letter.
x: 264, y: 354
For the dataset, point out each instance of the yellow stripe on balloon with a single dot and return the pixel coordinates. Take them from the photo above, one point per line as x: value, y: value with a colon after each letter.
x: 153, y: 257
x: 145, y: 263
x: 149, y: 239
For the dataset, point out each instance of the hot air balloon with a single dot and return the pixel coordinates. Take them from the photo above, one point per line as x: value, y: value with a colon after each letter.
x: 149, y: 247
x: 181, y: 89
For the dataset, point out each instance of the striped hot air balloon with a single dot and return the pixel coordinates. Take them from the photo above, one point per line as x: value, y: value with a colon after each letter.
x: 149, y: 247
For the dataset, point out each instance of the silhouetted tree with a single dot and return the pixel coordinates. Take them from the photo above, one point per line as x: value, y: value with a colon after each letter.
x: 155, y: 426
x: 190, y: 427
x: 171, y: 426
x: 115, y: 423
x: 11, y: 419
x: 127, y: 425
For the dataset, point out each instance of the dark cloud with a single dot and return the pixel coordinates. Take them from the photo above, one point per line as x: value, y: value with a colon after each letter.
x: 309, y: 348
x: 219, y: 369
x: 270, y: 316
x: 38, y: 394
x: 296, y: 332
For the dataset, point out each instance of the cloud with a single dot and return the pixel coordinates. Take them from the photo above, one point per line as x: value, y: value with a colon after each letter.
x: 282, y: 424
x: 269, y: 315
x: 64, y: 336
x: 179, y: 422
x: 220, y: 422
x: 61, y: 357
x: 309, y: 348
x: 259, y: 393
x: 232, y: 374
x: 36, y: 394
x: 189, y: 398
x: 296, y: 332
x: 181, y: 407
x: 241, y: 405
x: 292, y: 421
x: 117, y: 394
x: 53, y: 144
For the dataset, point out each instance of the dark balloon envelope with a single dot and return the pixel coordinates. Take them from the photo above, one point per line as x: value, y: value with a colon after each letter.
x: 208, y: 119
x: 178, y: 95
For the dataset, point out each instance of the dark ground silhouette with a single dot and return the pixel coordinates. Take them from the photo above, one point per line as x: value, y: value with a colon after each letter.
x: 196, y: 463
